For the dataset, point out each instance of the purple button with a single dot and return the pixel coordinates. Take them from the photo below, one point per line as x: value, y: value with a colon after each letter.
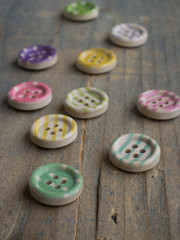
x: 37, y: 57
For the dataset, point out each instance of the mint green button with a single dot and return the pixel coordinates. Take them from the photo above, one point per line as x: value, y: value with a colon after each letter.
x: 79, y: 8
x: 56, y: 184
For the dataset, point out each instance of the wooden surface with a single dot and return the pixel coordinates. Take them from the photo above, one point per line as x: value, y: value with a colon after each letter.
x: 114, y: 204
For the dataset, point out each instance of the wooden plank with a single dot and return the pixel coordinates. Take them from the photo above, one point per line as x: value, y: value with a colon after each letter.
x: 114, y: 204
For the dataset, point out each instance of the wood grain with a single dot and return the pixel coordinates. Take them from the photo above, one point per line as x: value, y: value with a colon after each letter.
x: 114, y: 204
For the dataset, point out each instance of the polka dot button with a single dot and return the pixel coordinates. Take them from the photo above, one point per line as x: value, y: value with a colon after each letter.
x: 53, y: 131
x: 129, y: 35
x: 135, y: 152
x: 29, y: 96
x: 159, y: 104
x: 56, y: 184
x: 96, y: 61
x: 37, y: 57
x: 81, y: 11
x: 86, y: 102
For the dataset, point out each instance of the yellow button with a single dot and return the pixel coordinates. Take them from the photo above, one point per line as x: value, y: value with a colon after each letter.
x: 53, y: 131
x: 96, y: 60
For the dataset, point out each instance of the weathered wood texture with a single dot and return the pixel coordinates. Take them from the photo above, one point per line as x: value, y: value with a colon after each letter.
x: 114, y: 204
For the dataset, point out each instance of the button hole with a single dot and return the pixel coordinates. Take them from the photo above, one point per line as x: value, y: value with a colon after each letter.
x: 56, y: 125
x: 135, y: 146
x: 142, y: 150
x: 80, y: 100
x: 57, y: 186
x: 52, y: 133
x: 127, y: 151
x: 86, y: 104
x: 135, y: 155
x: 55, y: 176
x: 27, y: 91
x: 159, y: 99
x: 154, y: 102
x: 47, y: 128
x: 32, y: 96
x: 60, y: 129
x: 86, y: 97
x: 63, y: 180
x: 92, y: 100
x: 161, y: 105
x: 48, y: 182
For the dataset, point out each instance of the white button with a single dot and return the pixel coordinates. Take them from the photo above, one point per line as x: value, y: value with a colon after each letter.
x: 135, y: 152
x: 86, y: 102
x: 159, y: 104
x: 81, y: 11
x: 53, y: 131
x: 129, y: 35
x: 30, y: 96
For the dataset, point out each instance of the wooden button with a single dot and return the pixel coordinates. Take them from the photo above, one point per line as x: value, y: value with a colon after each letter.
x: 129, y: 35
x: 159, y: 104
x: 37, y: 57
x: 53, y: 131
x: 86, y: 102
x: 96, y: 61
x: 81, y: 11
x: 56, y: 184
x: 135, y: 152
x: 29, y: 96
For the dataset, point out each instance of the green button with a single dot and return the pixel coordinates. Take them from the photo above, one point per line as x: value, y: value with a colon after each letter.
x: 56, y: 184
x: 79, y: 8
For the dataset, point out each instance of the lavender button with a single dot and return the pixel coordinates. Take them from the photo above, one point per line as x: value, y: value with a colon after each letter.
x: 37, y: 57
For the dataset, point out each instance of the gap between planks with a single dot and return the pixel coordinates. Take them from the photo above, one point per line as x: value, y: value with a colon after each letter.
x: 80, y: 161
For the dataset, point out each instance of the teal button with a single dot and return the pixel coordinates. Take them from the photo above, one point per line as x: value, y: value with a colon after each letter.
x: 56, y: 184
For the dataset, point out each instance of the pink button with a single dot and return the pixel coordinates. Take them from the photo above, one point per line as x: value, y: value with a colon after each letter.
x: 30, y: 96
x: 159, y: 104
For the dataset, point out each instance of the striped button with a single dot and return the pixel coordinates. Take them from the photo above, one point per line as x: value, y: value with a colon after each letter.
x: 56, y: 184
x: 159, y: 104
x: 53, y: 131
x: 86, y: 102
x: 135, y: 152
x: 129, y: 35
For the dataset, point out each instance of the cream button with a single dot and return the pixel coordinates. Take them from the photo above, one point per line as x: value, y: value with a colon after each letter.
x: 30, y: 96
x: 53, y: 131
x: 96, y: 61
x: 135, y: 152
x: 86, y: 102
x: 56, y: 184
x: 129, y: 35
x: 159, y: 104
